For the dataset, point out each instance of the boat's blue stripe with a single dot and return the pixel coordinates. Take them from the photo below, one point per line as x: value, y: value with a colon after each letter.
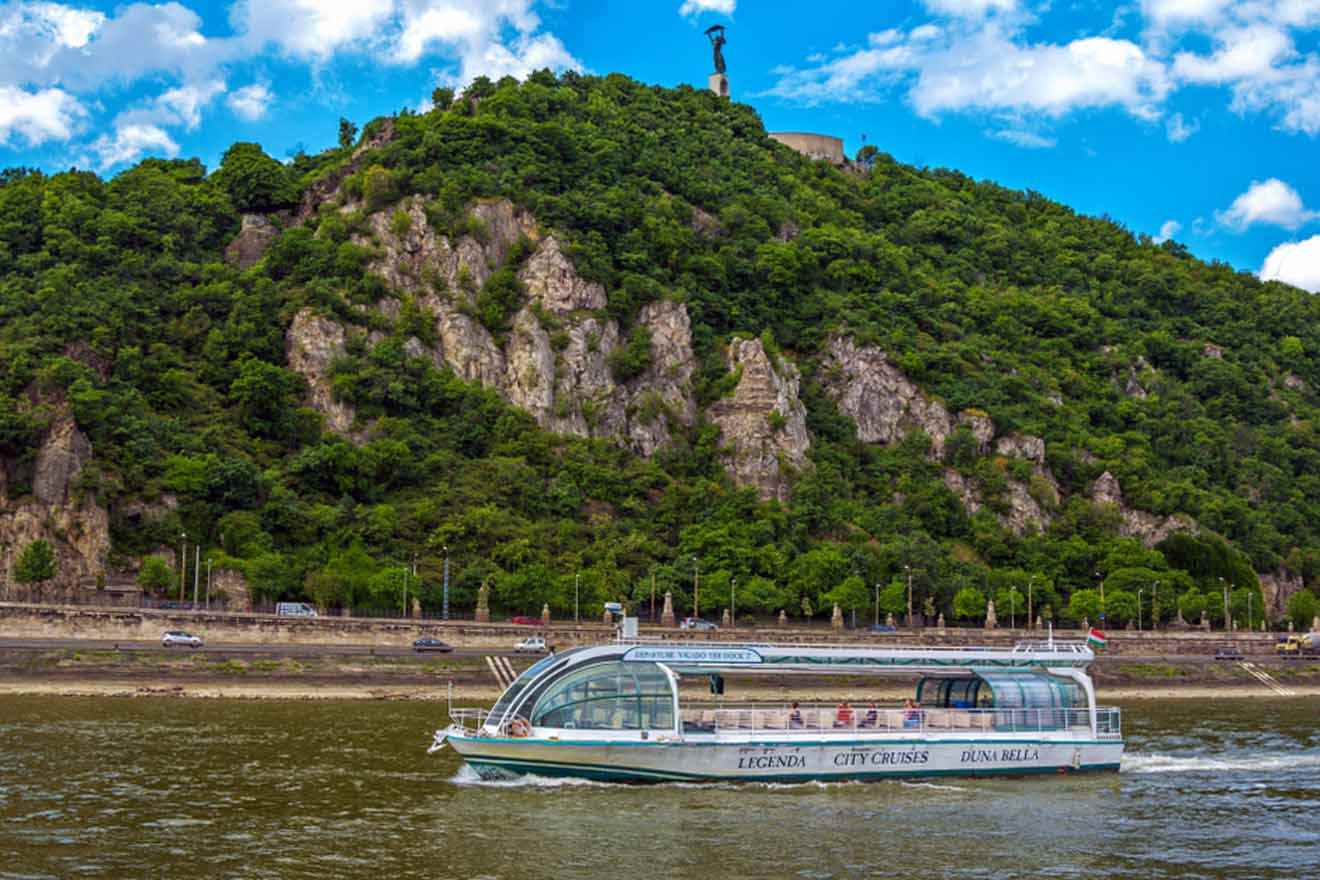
x: 605, y: 772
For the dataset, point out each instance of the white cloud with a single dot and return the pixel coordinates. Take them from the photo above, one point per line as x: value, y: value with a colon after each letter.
x: 1270, y: 202
x: 476, y: 36
x: 311, y: 28
x: 250, y: 102
x: 1296, y: 263
x: 1180, y: 129
x: 1169, y: 14
x: 970, y: 8
x: 1242, y: 53
x: 185, y: 103
x: 46, y: 115
x: 132, y: 141
x: 696, y: 7
x: 1026, y: 139
x: 1168, y: 230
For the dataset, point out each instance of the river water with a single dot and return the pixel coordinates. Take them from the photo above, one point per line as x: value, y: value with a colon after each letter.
x: 128, y: 788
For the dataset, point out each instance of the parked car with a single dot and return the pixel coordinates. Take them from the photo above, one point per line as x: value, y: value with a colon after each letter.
x: 421, y: 645
x: 696, y: 623
x: 531, y: 645
x: 181, y: 639
x: 1229, y: 653
x: 882, y: 628
x: 524, y: 620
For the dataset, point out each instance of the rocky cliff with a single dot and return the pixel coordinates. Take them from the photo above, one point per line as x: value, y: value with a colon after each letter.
x: 57, y: 511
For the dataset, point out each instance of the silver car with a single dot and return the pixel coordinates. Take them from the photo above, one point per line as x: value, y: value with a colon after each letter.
x: 181, y: 639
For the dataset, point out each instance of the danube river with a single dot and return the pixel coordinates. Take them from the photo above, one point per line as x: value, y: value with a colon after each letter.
x: 165, y: 788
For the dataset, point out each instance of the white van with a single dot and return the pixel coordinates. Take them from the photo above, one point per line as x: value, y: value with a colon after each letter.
x: 295, y: 609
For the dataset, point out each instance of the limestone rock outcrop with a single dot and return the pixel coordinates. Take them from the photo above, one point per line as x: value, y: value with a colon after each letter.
x: 1277, y: 588
x: 1142, y: 524
x: 255, y: 237
x: 884, y: 403
x: 763, y: 423
x: 312, y: 345
x: 71, y: 520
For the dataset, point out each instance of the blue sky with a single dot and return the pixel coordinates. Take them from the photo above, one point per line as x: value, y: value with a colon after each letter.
x: 1195, y: 119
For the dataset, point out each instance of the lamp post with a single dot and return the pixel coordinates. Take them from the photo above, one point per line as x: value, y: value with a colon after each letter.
x: 1140, y: 592
x: 1101, y: 579
x: 1012, y: 609
x: 444, y: 600
x: 183, y: 562
x: 733, y: 603
x: 1250, y: 616
x: 877, y: 603
x: 209, y: 560
x: 1223, y: 583
x: 908, y: 568
x: 197, y: 572
x: 1031, y: 618
x: 577, y: 593
x: 1155, y: 606
x: 696, y: 587
x: 653, y: 597
x: 403, y: 602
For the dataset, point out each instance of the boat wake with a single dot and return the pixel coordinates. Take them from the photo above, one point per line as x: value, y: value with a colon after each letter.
x: 1155, y: 763
x: 466, y: 776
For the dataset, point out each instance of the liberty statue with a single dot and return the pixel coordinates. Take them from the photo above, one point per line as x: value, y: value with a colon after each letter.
x: 717, y: 41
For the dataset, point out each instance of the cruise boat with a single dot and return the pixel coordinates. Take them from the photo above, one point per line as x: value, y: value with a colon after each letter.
x: 614, y: 712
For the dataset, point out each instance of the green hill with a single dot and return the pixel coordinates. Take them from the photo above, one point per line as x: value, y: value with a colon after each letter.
x: 583, y: 325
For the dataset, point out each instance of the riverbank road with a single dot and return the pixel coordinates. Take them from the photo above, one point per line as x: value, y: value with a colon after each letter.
x: 236, y: 650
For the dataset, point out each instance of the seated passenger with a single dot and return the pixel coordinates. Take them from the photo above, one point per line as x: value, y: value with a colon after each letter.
x: 911, y: 714
x: 872, y: 716
x: 843, y: 716
x: 794, y: 715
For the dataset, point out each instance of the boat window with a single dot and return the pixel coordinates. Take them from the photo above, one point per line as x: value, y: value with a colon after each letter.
x: 955, y: 693
x: 1031, y: 700
x: 511, y: 694
x: 608, y: 696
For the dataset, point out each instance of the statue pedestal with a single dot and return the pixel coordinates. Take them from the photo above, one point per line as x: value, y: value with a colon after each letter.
x: 719, y: 84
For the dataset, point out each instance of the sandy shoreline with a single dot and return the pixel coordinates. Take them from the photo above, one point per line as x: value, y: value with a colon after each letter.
x: 468, y: 694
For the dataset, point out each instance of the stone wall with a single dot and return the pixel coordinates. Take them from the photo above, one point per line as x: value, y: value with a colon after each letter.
x: 813, y: 146
x: 71, y: 622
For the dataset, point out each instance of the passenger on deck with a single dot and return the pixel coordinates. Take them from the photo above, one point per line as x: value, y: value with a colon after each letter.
x: 843, y: 716
x: 794, y: 715
x: 911, y: 714
x: 872, y: 716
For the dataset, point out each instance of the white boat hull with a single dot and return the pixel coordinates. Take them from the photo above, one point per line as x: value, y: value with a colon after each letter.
x: 783, y: 760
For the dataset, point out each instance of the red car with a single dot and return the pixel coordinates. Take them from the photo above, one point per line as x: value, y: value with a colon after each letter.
x: 524, y: 620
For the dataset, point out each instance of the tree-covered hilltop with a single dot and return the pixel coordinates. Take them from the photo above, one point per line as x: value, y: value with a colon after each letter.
x: 968, y: 385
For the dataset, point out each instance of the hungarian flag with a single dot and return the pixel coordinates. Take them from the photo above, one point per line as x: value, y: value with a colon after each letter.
x: 1096, y: 639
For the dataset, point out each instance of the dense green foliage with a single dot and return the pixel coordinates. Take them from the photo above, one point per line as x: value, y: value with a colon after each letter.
x: 35, y: 563
x: 114, y: 298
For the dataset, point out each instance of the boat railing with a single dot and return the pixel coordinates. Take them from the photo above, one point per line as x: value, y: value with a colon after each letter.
x: 1067, y: 648
x: 469, y: 720
x: 865, y: 719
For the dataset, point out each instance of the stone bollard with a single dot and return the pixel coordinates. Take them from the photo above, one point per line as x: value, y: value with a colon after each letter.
x: 939, y: 623
x: 836, y: 620
x: 606, y: 617
x: 991, y: 622
x: 545, y: 614
x: 726, y: 621
x: 667, y: 615
x: 783, y: 618
x: 889, y: 621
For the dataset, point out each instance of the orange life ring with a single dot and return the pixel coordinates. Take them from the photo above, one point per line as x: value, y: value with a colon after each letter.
x: 520, y: 727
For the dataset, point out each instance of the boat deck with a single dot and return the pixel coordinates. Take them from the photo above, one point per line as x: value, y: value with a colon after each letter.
x: 821, y: 718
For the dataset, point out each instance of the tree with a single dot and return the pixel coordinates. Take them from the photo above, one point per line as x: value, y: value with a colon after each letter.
x: 347, y: 133
x: 255, y: 182
x: 442, y: 98
x: 1303, y: 608
x: 1011, y: 604
x: 1084, y: 604
x: 969, y: 604
x: 155, y: 576
x: 1120, y: 607
x: 893, y: 598
x: 35, y: 564
x: 1191, y: 604
x: 850, y: 595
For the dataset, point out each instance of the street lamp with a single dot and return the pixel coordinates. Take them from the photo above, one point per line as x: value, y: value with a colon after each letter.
x: 1140, y: 592
x: 877, y: 603
x: 908, y: 569
x: 733, y: 605
x: 1031, y: 618
x: 1223, y: 583
x: 577, y: 593
x: 1101, y: 579
x: 444, y: 601
x: 183, y: 562
x: 1250, y: 616
x: 696, y: 587
x: 1155, y: 605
